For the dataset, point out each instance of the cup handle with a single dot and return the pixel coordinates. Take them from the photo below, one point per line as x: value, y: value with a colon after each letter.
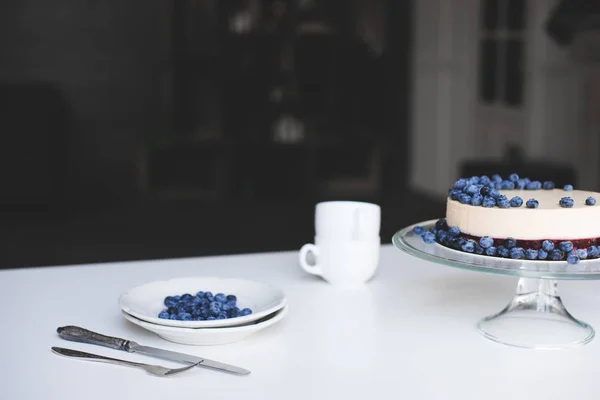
x: 311, y: 269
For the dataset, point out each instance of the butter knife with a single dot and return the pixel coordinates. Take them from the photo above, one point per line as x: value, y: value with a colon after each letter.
x: 77, y: 334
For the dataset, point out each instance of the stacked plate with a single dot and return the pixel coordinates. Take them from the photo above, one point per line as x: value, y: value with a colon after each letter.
x: 142, y: 304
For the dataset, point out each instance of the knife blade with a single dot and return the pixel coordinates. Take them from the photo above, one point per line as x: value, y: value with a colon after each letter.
x: 78, y: 334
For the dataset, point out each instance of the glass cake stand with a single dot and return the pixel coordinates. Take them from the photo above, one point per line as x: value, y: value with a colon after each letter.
x: 535, y: 318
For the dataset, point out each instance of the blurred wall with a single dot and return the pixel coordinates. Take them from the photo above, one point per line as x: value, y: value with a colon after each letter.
x: 107, y: 59
x: 449, y: 123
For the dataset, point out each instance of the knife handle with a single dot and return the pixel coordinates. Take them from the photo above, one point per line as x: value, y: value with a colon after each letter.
x: 77, y: 334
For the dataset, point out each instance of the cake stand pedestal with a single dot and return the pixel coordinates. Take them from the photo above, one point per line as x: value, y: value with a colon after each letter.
x: 536, y: 317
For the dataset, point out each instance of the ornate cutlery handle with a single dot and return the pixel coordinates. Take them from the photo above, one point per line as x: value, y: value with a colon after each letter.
x: 77, y: 334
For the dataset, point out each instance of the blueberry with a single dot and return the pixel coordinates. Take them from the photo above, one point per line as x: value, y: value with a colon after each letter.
x: 173, y: 316
x: 461, y: 183
x: 565, y: 246
x: 516, y: 201
x: 491, y: 251
x: 521, y: 183
x: 222, y: 315
x: 572, y: 259
x: 468, y: 247
x: 454, y: 231
x: 503, y: 251
x: 590, y: 201
x: 486, y: 242
x: 542, y: 254
x: 507, y: 185
x: 532, y: 203
x: 568, y: 188
x: 548, y: 245
x: 234, y: 312
x: 503, y: 203
x: 209, y: 296
x: 164, y: 314
x: 556, y: 255
x: 531, y: 254
x: 489, y: 202
x: 494, y: 193
x: 245, y: 311
x: 216, y: 304
x: 465, y: 199
x: 441, y: 235
x: 177, y: 298
x: 170, y: 301
x: 226, y: 307
x: 474, y: 180
x: 419, y: 230
x: 185, y: 317
x: 477, y: 200
x: 197, y: 300
x: 458, y: 243
x: 478, y: 249
x: 593, y: 252
x: 172, y: 310
x: 535, y: 185
x: 581, y: 253
x: 455, y: 194
x: 548, y: 185
x: 484, y: 180
x: 485, y: 191
x: 200, y: 294
x: 471, y: 190
x: 566, y: 202
x: 510, y: 243
x: 186, y: 297
x: 428, y: 237
x: 496, y: 178
x: 221, y: 298
x: 517, y: 253
x: 513, y: 177
x: 441, y: 224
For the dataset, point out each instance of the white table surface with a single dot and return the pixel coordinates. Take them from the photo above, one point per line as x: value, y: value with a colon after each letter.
x: 409, y: 334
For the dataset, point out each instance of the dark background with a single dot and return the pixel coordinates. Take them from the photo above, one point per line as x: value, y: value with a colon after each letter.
x: 151, y: 129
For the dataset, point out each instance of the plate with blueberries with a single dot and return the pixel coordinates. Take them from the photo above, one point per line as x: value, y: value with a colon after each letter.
x: 202, y: 302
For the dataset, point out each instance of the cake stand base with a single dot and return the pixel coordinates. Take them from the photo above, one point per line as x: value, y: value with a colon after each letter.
x: 536, y: 318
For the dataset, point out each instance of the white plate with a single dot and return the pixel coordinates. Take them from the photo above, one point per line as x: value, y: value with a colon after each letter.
x: 209, y: 336
x: 147, y: 300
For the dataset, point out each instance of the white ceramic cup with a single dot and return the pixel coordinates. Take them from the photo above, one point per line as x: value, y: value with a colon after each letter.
x: 347, y: 220
x: 342, y: 262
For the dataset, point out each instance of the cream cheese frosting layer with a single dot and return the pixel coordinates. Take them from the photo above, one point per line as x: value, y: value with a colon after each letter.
x: 548, y: 221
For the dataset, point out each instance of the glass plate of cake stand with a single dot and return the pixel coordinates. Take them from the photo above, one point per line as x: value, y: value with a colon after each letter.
x: 535, y: 318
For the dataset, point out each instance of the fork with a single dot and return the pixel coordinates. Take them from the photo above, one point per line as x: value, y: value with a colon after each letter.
x: 156, y: 370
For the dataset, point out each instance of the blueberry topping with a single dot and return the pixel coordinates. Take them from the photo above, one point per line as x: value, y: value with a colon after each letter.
x: 471, y: 190
x: 556, y: 255
x: 532, y: 203
x: 542, y: 254
x: 548, y: 245
x: 454, y: 231
x: 489, y: 202
x: 531, y: 254
x: 548, y: 185
x: 593, y: 251
x: 510, y: 243
x: 469, y: 246
x: 486, y: 242
x: 565, y: 246
x: 494, y: 193
x: 516, y: 201
x: 461, y: 183
x: 428, y: 237
x: 572, y: 259
x: 477, y: 200
x: 503, y: 251
x: 517, y: 253
x: 581, y: 253
x: 491, y: 251
x: 590, y: 201
x: 485, y: 191
x: 566, y: 202
x: 478, y: 249
x: 568, y: 188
